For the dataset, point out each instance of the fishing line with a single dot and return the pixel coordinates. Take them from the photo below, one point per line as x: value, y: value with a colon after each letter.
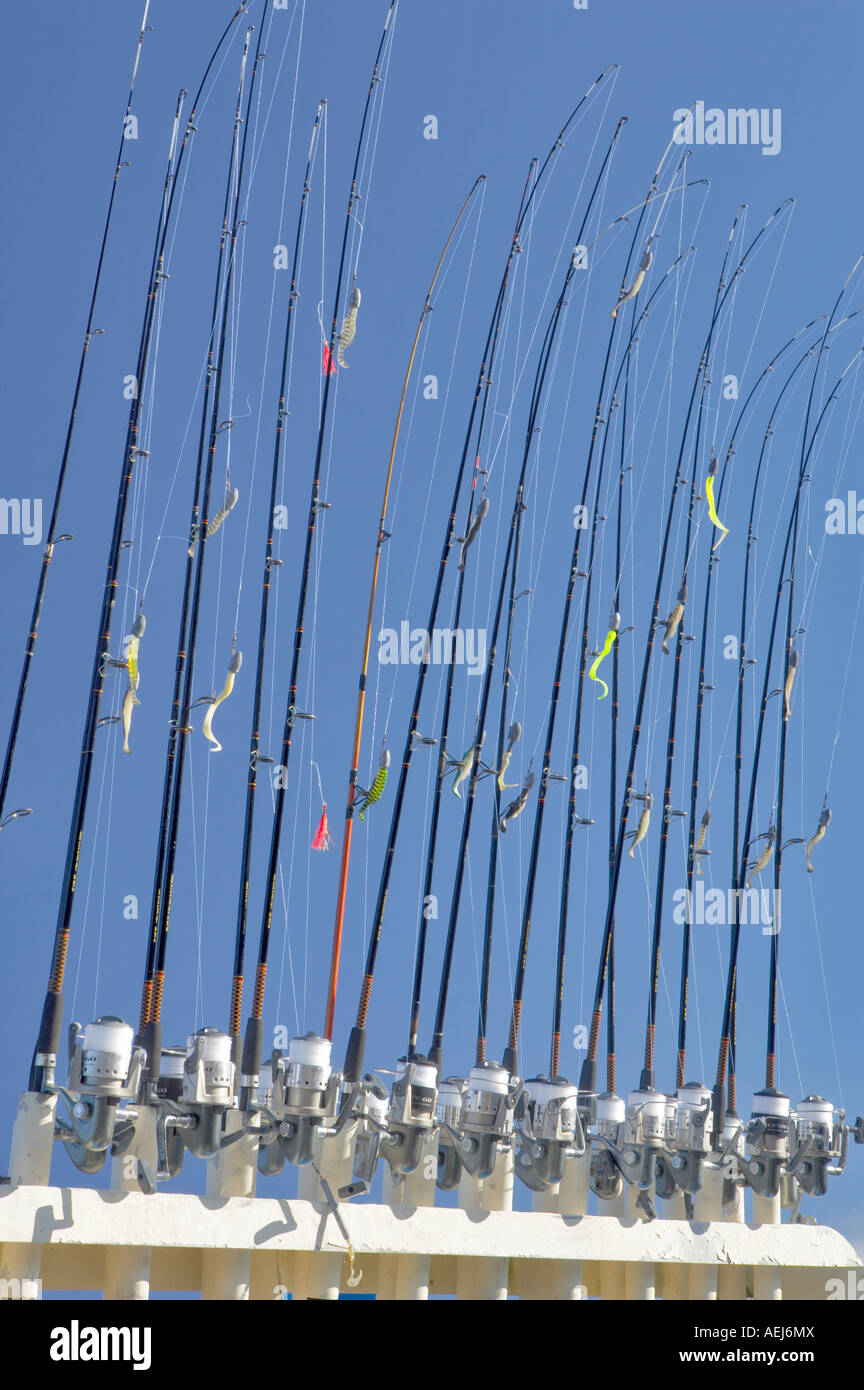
x: 806, y: 451
x: 44, y: 1060
x: 252, y: 1048
x: 51, y: 537
x: 588, y: 1078
x: 356, y: 1045
x: 191, y: 603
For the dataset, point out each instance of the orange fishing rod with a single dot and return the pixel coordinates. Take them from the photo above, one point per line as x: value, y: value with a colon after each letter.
x: 336, y: 951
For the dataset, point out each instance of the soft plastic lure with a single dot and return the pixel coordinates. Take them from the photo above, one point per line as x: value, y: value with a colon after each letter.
x: 349, y: 327
x: 791, y: 671
x: 468, y: 541
x: 514, y: 733
x: 671, y: 623
x: 644, y: 821
x: 824, y: 822
x: 712, y: 507
x: 518, y: 806
x: 130, y: 699
x: 761, y: 862
x: 463, y: 768
x: 703, y: 831
x: 377, y: 788
x: 604, y: 652
x: 637, y: 283
x: 207, y: 727
x: 231, y: 497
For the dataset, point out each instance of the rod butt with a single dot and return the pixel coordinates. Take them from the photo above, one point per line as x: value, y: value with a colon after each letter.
x: 355, y: 1053
x: 47, y: 1042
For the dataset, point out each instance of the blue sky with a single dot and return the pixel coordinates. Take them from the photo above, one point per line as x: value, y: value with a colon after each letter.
x: 500, y: 79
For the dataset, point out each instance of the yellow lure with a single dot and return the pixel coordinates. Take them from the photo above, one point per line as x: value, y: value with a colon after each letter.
x: 712, y: 510
x: 601, y: 656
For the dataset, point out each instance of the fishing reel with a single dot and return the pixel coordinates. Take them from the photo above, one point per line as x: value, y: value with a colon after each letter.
x: 194, y: 1089
x: 642, y: 1131
x: 104, y: 1070
x: 449, y: 1108
x: 298, y: 1092
x: 550, y: 1131
x: 485, y: 1119
x: 603, y: 1116
x: 370, y: 1105
x: 411, y: 1114
x: 823, y: 1140
x: 768, y: 1138
x: 689, y: 1125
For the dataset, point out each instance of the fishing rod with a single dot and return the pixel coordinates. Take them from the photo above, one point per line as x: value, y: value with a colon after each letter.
x: 181, y: 654
x: 613, y: 752
x: 48, y: 1040
x: 44, y: 1060
x: 154, y: 977
x: 457, y: 616
x: 771, y: 1045
x: 269, y: 562
x: 435, y: 1051
x: 443, y: 736
x: 357, y: 1041
x: 53, y: 538
x: 333, y: 981
x: 498, y: 772
x: 582, y: 662
x: 587, y: 1083
x: 647, y: 1076
x: 718, y: 1100
x: 502, y: 759
x: 485, y: 970
x: 510, y: 1057
x: 744, y: 662
x: 252, y: 1042
x: 694, y: 847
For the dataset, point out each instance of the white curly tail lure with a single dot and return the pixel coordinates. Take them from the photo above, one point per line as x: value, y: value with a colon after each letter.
x: 130, y: 699
x: 207, y: 727
x: 637, y: 283
x: 349, y: 327
x: 231, y: 497
x: 514, y: 733
x: 824, y: 822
